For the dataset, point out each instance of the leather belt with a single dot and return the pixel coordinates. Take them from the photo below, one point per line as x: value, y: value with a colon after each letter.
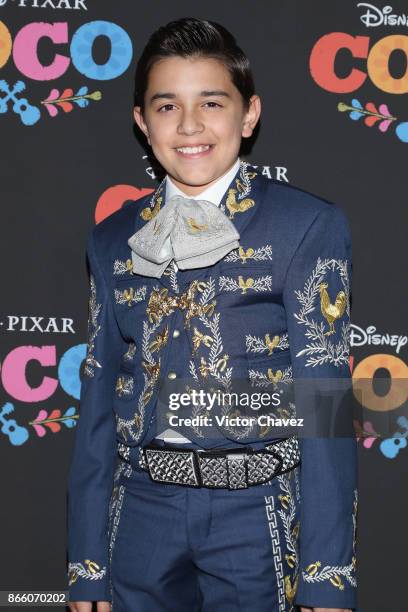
x: 236, y: 468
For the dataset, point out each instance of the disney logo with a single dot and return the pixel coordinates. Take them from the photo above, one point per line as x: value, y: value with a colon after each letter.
x: 360, y: 336
x: 3, y: 2
x: 374, y: 16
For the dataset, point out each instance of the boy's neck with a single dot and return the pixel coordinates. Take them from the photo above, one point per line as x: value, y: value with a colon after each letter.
x: 183, y: 188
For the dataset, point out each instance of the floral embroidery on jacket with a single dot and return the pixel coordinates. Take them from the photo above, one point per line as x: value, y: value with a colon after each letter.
x: 262, y: 253
x: 264, y: 283
x: 320, y: 349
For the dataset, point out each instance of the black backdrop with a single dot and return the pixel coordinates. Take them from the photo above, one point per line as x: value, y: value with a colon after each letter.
x: 71, y: 167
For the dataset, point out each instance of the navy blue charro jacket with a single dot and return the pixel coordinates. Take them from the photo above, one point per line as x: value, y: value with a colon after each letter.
x: 276, y: 308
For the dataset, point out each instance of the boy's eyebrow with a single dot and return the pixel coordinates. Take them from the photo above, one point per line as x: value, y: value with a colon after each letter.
x: 170, y: 96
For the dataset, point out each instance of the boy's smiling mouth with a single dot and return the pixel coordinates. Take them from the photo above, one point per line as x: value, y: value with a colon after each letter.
x: 192, y: 152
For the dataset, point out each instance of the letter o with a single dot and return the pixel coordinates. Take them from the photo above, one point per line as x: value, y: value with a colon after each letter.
x: 363, y: 382
x: 378, y: 64
x: 6, y: 44
x: 81, y: 50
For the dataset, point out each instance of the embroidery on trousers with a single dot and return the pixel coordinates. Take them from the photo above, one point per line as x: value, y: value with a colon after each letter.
x: 115, y: 507
x: 285, y: 549
x: 93, y: 329
x: 319, y: 348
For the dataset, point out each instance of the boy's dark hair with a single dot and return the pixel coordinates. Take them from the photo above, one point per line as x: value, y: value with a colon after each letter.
x: 192, y: 37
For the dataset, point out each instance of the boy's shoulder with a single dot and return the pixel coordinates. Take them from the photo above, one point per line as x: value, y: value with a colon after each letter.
x: 296, y: 205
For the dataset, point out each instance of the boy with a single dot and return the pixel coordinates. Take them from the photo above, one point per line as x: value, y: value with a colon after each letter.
x: 222, y: 273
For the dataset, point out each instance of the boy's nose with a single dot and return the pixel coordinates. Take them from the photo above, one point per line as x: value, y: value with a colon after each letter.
x: 190, y: 124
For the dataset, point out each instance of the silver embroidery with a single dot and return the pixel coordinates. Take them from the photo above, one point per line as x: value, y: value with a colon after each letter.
x: 130, y: 296
x: 264, y: 283
x: 262, y: 379
x: 93, y: 329
x: 130, y: 353
x: 124, y: 385
x: 255, y: 344
x: 92, y: 571
x: 262, y: 253
x: 320, y: 349
x: 122, y: 267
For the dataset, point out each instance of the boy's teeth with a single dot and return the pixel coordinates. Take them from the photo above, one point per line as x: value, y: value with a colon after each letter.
x: 194, y: 149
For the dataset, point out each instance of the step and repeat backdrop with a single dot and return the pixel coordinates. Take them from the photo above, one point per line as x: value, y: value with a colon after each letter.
x: 333, y: 80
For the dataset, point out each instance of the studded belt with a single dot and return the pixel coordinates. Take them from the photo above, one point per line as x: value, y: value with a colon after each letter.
x: 236, y: 468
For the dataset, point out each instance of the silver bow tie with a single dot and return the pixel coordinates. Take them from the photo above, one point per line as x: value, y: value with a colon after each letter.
x: 195, y: 233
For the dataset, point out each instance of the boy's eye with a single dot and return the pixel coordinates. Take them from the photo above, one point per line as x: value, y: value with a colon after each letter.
x: 165, y: 106
x: 170, y: 106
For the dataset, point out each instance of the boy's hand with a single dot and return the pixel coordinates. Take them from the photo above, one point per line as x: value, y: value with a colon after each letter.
x: 86, y: 606
x: 325, y: 609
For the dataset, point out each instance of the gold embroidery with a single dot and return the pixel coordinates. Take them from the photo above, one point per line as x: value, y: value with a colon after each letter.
x: 92, y: 571
x: 320, y: 349
x: 234, y: 206
x: 121, y: 267
x: 264, y: 283
x: 149, y: 213
x: 195, y: 226
x: 255, y: 344
x: 260, y: 254
x: 333, y: 573
x: 285, y: 538
x: 160, y: 340
x: 124, y: 385
x: 260, y: 379
x: 331, y: 312
x: 162, y: 304
x: 130, y: 296
x: 198, y: 338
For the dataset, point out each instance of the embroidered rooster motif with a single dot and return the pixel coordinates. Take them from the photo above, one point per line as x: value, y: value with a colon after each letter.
x: 234, y: 206
x: 149, y: 213
x: 195, y: 226
x: 244, y: 255
x: 271, y: 344
x: 245, y: 284
x: 331, y: 312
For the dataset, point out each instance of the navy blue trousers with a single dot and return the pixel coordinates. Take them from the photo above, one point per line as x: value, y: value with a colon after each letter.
x: 175, y: 548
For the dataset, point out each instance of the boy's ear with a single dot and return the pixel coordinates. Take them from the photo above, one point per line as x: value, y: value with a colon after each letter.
x: 137, y: 114
x: 251, y: 116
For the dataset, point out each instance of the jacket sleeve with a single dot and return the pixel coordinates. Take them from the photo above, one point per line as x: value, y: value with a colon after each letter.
x: 317, y: 303
x: 90, y: 479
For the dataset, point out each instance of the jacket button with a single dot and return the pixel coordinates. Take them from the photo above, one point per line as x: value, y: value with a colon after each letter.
x: 176, y: 333
x: 171, y: 375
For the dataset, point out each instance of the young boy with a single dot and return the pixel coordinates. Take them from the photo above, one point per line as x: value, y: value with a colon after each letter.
x: 221, y: 274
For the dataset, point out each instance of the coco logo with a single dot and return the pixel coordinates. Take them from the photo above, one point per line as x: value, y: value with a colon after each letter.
x: 24, y: 50
x: 324, y: 53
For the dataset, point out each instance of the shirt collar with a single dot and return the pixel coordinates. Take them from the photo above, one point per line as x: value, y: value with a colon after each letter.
x: 214, y: 193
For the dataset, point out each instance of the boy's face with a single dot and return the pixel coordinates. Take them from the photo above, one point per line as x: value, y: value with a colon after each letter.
x: 193, y: 103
